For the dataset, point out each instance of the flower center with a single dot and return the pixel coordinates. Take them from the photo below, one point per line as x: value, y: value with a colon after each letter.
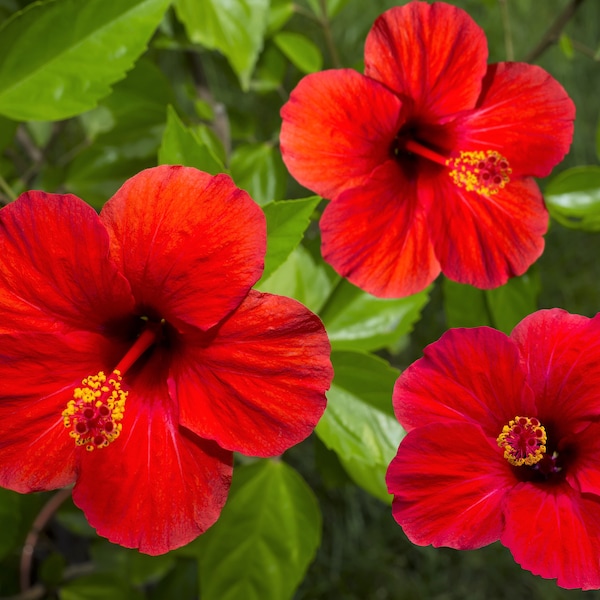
x: 523, y: 441
x: 484, y: 172
x: 95, y: 412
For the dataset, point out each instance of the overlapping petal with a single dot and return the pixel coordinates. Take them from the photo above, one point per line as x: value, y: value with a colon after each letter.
x: 525, y: 114
x: 257, y: 383
x: 338, y: 126
x: 485, y: 240
x: 433, y: 54
x: 377, y: 236
x: 561, y: 354
x: 583, y: 453
x: 178, y: 235
x: 554, y: 532
x: 449, y: 481
x: 158, y: 486
x: 55, y: 272
x: 468, y: 376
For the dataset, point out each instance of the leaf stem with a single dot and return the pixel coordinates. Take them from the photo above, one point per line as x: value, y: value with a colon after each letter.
x: 326, y: 25
x: 508, y: 42
x: 7, y: 189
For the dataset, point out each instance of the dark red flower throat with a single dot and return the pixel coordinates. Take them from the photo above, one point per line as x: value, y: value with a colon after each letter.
x: 94, y: 414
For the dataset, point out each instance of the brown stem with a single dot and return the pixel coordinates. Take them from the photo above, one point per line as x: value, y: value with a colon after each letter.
x: 37, y: 527
x: 326, y: 25
x: 553, y: 34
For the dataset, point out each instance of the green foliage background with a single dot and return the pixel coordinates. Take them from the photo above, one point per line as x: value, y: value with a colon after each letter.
x: 91, y: 92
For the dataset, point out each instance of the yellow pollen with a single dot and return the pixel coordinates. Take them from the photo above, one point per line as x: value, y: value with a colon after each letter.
x: 94, y: 414
x: 523, y: 441
x: 484, y: 172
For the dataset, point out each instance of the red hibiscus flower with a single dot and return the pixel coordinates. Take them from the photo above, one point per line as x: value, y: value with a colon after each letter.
x: 503, y: 443
x: 428, y: 157
x: 134, y: 356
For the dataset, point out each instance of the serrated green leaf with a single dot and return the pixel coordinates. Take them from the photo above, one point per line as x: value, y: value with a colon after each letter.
x: 265, y: 538
x: 501, y: 308
x: 99, y: 586
x: 287, y: 221
x: 300, y: 50
x: 302, y: 278
x: 234, y: 27
x: 359, y: 422
x: 356, y: 320
x: 183, y: 146
x: 573, y: 198
x: 258, y: 169
x: 87, y: 46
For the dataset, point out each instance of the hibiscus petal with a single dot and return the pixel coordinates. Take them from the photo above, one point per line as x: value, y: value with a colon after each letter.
x: 55, y: 271
x: 561, y: 355
x: 157, y: 486
x: 583, y: 471
x: 485, y: 240
x: 337, y: 127
x: 434, y: 54
x: 468, y: 375
x: 554, y: 532
x: 178, y: 235
x: 523, y: 113
x: 258, y: 387
x: 377, y: 236
x: 449, y: 481
x: 38, y: 374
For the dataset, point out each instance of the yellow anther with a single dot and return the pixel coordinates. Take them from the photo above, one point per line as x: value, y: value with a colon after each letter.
x: 484, y: 172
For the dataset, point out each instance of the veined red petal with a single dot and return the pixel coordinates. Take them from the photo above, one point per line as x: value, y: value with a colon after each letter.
x: 449, y: 482
x: 554, y: 532
x: 377, y: 235
x: 157, y: 486
x: 55, y: 271
x: 258, y: 385
x: 468, y: 375
x: 180, y: 235
x: 337, y: 127
x: 39, y: 373
x: 433, y: 54
x: 583, y: 473
x: 485, y: 240
x: 561, y: 356
x: 525, y: 114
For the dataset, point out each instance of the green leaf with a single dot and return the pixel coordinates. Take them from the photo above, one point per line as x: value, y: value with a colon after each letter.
x: 333, y: 7
x: 87, y: 46
x: 9, y: 520
x: 287, y: 221
x: 99, y: 586
x: 300, y: 50
x: 234, y: 27
x: 359, y: 422
x: 184, y: 146
x: 566, y: 46
x: 356, y: 320
x: 501, y: 308
x: 258, y: 169
x: 265, y: 538
x: 573, y: 198
x: 280, y: 12
x: 302, y: 278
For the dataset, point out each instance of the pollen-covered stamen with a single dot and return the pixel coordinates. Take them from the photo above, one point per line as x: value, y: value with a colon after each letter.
x: 523, y: 441
x: 94, y: 414
x: 484, y: 172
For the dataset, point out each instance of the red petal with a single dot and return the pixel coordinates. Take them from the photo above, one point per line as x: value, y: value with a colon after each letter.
x: 485, y: 240
x: 258, y: 387
x: 468, y: 375
x: 55, y: 271
x: 526, y: 115
x: 38, y: 374
x: 434, y: 54
x: 190, y: 244
x: 449, y: 482
x: 337, y: 127
x: 157, y: 487
x: 561, y: 355
x: 554, y: 532
x: 583, y: 471
x: 376, y: 235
